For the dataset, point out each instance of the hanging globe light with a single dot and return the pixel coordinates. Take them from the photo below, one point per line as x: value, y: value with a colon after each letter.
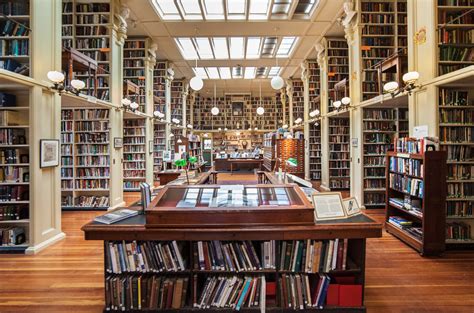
x: 215, y: 111
x: 277, y: 82
x: 196, y: 83
x: 260, y: 110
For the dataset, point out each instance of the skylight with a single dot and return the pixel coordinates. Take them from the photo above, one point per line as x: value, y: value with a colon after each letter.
x: 237, y: 72
x: 251, y: 10
x: 235, y: 48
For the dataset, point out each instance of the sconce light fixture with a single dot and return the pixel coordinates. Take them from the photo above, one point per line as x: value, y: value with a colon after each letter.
x: 410, y: 79
x: 57, y: 78
x: 314, y: 113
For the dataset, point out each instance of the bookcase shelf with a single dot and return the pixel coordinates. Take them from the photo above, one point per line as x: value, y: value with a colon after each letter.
x: 87, y: 28
x: 415, y: 187
x: 455, y: 40
x: 298, y: 99
x: 134, y: 152
x: 159, y: 145
x: 314, y: 131
x: 85, y: 158
x: 384, y: 33
x: 337, y: 69
x: 456, y: 108
x: 135, y: 52
x: 15, y: 171
x: 159, y: 85
x: 339, y: 153
x: 15, y: 40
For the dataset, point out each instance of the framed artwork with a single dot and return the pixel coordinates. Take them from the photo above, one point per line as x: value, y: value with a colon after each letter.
x: 150, y: 146
x: 167, y: 156
x: 49, y: 153
x: 237, y: 108
x: 328, y: 206
x: 351, y: 206
x: 118, y: 142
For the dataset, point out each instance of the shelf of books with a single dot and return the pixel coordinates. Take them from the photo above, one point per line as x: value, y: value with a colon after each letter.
x: 266, y: 121
x: 455, y: 39
x: 456, y: 132
x: 15, y: 36
x: 337, y: 68
x: 203, y: 118
x: 134, y: 55
x: 85, y: 159
x: 384, y: 32
x: 339, y: 153
x: 416, y: 185
x: 177, y: 100
x: 159, y: 145
x: 255, y: 276
x: 134, y: 152
x: 14, y: 171
x: 314, y: 129
x: 269, y: 151
x: 88, y: 29
x: 380, y: 127
x: 298, y: 99
x: 159, y: 85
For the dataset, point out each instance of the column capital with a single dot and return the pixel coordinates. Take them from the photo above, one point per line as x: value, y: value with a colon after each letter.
x: 320, y: 49
x: 348, y: 21
x: 289, y: 88
x: 120, y: 24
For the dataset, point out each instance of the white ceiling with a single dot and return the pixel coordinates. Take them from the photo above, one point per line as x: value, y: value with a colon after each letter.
x: 144, y: 21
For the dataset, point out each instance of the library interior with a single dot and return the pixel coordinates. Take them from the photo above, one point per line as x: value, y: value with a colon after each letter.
x: 237, y: 155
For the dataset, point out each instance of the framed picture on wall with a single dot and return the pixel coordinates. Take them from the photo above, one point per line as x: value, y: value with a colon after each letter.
x: 49, y: 153
x: 118, y: 142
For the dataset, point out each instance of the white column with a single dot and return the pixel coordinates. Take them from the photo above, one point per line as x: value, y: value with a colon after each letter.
x: 289, y: 94
x: 305, y: 80
x: 184, y: 95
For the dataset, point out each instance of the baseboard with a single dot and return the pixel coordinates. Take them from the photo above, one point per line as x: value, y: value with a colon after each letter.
x: 45, y: 244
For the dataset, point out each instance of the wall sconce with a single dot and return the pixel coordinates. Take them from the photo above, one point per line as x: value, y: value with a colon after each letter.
x: 285, y: 126
x: 179, y: 140
x: 219, y: 129
x: 314, y: 113
x: 176, y: 121
x: 58, y: 78
x: 158, y: 115
x: 127, y: 104
x: 225, y: 129
x: 298, y: 120
x: 190, y: 126
x: 206, y: 135
x: 409, y: 79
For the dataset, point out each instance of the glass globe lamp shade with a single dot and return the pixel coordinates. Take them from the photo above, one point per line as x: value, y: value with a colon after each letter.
x: 277, y: 82
x: 179, y: 140
x: 196, y: 83
x: 156, y: 114
x: 256, y: 128
x: 55, y: 76
x: 411, y: 77
x: 225, y: 129
x: 285, y: 126
x: 126, y: 102
x: 215, y: 111
x: 78, y: 84
x: 134, y: 105
x: 346, y: 100
x: 260, y: 111
x: 337, y: 104
x: 390, y: 87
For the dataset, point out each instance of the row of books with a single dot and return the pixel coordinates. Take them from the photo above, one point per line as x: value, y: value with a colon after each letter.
x: 460, y: 171
x: 131, y: 185
x: 453, y: 53
x: 92, y: 138
x: 459, y: 209
x: 453, y: 97
x: 409, y: 204
x: 460, y: 190
x: 91, y: 149
x: 456, y: 134
x: 16, y: 7
x: 13, y: 212
x: 93, y: 172
x: 85, y: 19
x: 412, y: 186
x: 93, y: 160
x: 12, y: 136
x: 14, y: 193
x: 11, y: 28
x: 298, y: 292
x: 460, y: 115
x: 408, y: 226
x: 14, y: 174
x: 12, y: 235
x: 458, y: 231
x: 411, y: 167
x: 144, y: 257
x: 232, y: 292
x: 413, y: 145
x: 92, y: 126
x: 92, y: 183
x: 458, y: 153
x: 85, y: 201
x: 374, y: 198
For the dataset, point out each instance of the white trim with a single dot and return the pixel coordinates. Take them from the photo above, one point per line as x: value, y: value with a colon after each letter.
x: 35, y: 249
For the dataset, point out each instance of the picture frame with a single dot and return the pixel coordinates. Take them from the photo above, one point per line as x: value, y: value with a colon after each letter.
x: 118, y: 142
x: 150, y: 147
x: 328, y: 206
x: 49, y: 153
x: 351, y: 206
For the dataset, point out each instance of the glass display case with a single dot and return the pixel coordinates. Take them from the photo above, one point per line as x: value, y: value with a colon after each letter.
x: 228, y: 205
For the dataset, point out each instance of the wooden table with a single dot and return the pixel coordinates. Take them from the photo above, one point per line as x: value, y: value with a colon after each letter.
x: 245, y: 161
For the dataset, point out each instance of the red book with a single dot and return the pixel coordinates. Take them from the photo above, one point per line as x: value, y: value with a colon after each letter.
x: 271, y: 288
x: 350, y: 295
x: 332, y: 298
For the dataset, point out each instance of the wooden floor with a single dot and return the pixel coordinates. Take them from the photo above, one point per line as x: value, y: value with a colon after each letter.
x: 68, y: 277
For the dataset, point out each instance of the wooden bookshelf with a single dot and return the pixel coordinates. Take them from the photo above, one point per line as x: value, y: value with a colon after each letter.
x: 135, y: 52
x: 298, y: 99
x: 228, y: 141
x: 87, y: 29
x: 134, y: 154
x: 380, y: 126
x: 159, y: 85
x: 339, y: 153
x: 416, y: 186
x: 159, y: 145
x: 15, y: 168
x: 337, y: 68
x: 384, y: 33
x: 455, y: 40
x: 314, y: 131
x: 15, y: 39
x: 456, y: 129
x: 269, y: 151
x: 85, y: 172
x: 290, y: 148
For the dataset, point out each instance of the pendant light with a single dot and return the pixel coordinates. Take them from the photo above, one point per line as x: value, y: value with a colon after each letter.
x: 260, y: 109
x: 215, y: 109
x: 196, y: 83
x: 277, y: 82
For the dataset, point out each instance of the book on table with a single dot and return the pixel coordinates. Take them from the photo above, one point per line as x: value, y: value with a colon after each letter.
x: 115, y: 216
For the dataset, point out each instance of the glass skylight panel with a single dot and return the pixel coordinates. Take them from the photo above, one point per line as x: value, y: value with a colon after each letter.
x: 237, y: 72
x: 214, y: 9
x: 261, y: 71
x: 281, y: 7
x: 220, y: 48
x: 286, y: 46
x: 236, y: 9
x: 204, y: 48
x: 236, y: 47
x: 305, y: 7
x: 187, y: 48
x: 274, y: 71
x: 269, y: 45
x: 249, y: 72
x: 167, y: 9
x: 225, y: 72
x: 191, y: 9
x: 200, y: 72
x: 253, y: 48
x: 258, y: 9
x: 213, y: 72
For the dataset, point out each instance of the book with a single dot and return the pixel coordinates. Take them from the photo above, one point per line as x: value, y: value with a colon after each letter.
x: 115, y: 216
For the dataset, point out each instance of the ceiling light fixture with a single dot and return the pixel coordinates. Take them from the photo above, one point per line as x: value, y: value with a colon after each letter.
x: 57, y: 78
x: 215, y: 109
x: 277, y: 82
x: 196, y: 83
x: 260, y: 109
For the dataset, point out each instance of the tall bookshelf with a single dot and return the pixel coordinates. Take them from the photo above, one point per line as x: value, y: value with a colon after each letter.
x: 134, y: 54
x: 314, y: 77
x: 88, y: 30
x: 384, y: 32
x: 298, y: 99
x: 415, y: 189
x: 177, y: 99
x: 134, y: 153
x: 90, y: 159
x: 15, y: 169
x: 455, y: 38
x: 159, y: 85
x: 456, y: 132
x: 337, y: 68
x: 159, y: 145
x: 15, y: 38
x: 339, y: 153
x: 269, y: 119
